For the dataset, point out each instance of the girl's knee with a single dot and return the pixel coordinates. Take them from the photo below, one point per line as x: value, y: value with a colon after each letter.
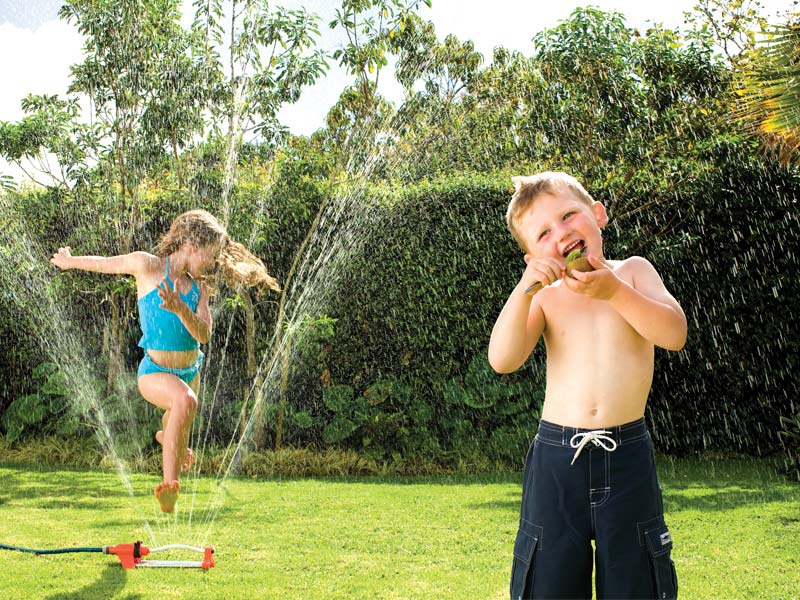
x: 185, y: 403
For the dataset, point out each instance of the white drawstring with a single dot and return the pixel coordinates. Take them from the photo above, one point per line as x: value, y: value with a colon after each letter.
x: 597, y: 437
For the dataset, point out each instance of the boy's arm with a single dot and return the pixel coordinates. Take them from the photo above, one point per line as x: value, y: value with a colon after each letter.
x: 129, y: 264
x: 516, y: 331
x: 646, y: 305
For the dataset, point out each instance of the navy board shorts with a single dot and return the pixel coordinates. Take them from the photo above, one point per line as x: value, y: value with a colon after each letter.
x: 583, y: 484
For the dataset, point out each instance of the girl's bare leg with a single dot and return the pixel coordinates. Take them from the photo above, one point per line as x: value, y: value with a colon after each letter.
x: 171, y: 394
x: 188, y: 458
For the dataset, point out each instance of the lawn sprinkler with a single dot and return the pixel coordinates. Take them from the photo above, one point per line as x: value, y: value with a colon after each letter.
x: 132, y: 556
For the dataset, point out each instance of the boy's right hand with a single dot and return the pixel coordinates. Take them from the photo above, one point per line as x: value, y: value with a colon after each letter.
x: 542, y: 270
x: 62, y: 258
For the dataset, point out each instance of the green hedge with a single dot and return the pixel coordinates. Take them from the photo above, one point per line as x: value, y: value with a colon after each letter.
x: 391, y: 358
x: 416, y: 312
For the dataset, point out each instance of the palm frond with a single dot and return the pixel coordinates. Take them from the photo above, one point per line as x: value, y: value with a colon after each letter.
x: 768, y: 87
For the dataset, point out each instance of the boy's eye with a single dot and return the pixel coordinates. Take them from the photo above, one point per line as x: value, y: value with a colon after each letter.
x: 544, y: 233
x: 569, y: 214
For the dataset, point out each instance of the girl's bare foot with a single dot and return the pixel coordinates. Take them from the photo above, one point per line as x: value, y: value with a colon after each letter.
x: 188, y: 459
x: 167, y: 495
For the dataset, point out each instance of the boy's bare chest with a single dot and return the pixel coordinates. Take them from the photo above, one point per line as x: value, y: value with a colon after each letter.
x: 580, y: 323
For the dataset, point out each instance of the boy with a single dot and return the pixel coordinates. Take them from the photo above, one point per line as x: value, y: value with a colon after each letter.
x: 590, y: 473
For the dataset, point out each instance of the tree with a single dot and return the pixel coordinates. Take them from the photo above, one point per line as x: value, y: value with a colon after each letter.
x: 768, y: 85
x: 269, y: 61
x: 139, y: 77
x: 249, y: 97
x: 373, y: 29
x: 50, y: 129
x: 731, y: 24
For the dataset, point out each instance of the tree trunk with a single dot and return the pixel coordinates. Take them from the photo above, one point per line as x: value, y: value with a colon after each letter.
x: 250, y: 335
x: 287, y: 352
x: 178, y: 168
x: 114, y: 346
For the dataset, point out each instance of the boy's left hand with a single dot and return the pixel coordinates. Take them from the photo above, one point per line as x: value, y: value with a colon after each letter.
x: 602, y: 283
x: 170, y: 298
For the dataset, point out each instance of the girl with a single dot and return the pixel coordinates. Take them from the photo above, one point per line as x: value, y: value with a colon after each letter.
x: 173, y: 293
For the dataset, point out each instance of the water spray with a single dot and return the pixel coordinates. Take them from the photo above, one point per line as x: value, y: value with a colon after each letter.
x: 132, y: 556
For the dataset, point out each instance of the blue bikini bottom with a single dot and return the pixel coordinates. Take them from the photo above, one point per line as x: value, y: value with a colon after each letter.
x: 147, y: 366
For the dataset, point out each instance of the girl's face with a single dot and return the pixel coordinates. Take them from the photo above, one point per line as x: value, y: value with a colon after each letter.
x: 202, y: 259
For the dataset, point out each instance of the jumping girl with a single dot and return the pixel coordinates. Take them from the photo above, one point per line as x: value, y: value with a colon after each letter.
x: 173, y: 290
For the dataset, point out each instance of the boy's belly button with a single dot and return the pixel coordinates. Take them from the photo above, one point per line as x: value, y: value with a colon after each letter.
x: 594, y: 411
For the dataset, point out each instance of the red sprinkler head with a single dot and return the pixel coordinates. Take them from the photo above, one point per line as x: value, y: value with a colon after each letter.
x: 208, y: 558
x: 129, y: 554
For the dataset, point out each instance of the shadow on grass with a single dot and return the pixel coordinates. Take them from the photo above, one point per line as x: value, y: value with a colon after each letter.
x: 72, y: 489
x: 111, y: 582
x: 58, y: 488
x: 714, y: 485
x: 717, y: 500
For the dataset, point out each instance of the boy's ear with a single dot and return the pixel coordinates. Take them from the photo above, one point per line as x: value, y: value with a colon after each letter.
x: 600, y: 214
x: 528, y: 258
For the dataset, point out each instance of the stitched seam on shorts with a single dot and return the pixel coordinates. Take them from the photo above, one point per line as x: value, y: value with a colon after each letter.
x: 533, y: 530
x: 552, y: 443
x: 606, y: 479
x: 631, y: 440
x: 566, y: 445
x: 642, y: 531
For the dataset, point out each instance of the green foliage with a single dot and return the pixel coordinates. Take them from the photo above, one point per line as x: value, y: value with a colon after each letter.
x: 790, y: 436
x: 48, y: 410
x: 7, y: 182
x: 768, y: 91
x: 390, y: 360
x: 273, y: 53
x: 50, y: 126
x: 386, y: 421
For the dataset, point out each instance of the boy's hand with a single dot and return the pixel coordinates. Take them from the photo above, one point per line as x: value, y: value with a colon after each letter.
x: 542, y: 270
x: 602, y: 283
x: 170, y: 298
x: 62, y: 258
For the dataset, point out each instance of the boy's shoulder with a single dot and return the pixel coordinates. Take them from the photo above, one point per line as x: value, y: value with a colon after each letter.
x: 634, y: 264
x: 641, y: 274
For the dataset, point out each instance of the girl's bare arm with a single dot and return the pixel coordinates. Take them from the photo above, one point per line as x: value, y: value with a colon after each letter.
x: 129, y: 264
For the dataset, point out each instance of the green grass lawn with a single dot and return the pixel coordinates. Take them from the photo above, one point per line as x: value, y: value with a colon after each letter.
x: 735, y: 525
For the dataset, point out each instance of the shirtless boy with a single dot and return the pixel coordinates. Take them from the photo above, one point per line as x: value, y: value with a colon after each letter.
x: 590, y: 472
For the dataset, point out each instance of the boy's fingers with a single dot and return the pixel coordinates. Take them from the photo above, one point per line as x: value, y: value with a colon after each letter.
x: 598, y: 262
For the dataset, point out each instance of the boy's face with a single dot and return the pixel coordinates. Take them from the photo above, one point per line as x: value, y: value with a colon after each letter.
x: 556, y: 224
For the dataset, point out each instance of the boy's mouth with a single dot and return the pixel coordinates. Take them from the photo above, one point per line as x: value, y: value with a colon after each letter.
x: 573, y: 246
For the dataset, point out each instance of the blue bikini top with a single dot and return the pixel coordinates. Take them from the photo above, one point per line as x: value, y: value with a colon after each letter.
x: 162, y: 329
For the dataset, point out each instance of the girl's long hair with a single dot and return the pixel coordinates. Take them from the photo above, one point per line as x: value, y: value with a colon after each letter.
x: 236, y: 265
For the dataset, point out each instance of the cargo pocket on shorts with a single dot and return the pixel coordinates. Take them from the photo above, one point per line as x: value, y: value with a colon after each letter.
x: 659, y: 547
x: 528, y: 540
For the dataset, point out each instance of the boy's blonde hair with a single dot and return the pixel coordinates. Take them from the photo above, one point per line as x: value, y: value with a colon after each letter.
x: 527, y: 188
x: 235, y: 264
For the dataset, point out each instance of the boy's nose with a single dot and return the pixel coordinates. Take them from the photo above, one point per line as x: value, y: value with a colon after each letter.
x: 563, y: 233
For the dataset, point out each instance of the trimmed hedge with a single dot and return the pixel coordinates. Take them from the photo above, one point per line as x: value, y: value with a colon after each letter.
x: 416, y: 310
x: 391, y: 361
